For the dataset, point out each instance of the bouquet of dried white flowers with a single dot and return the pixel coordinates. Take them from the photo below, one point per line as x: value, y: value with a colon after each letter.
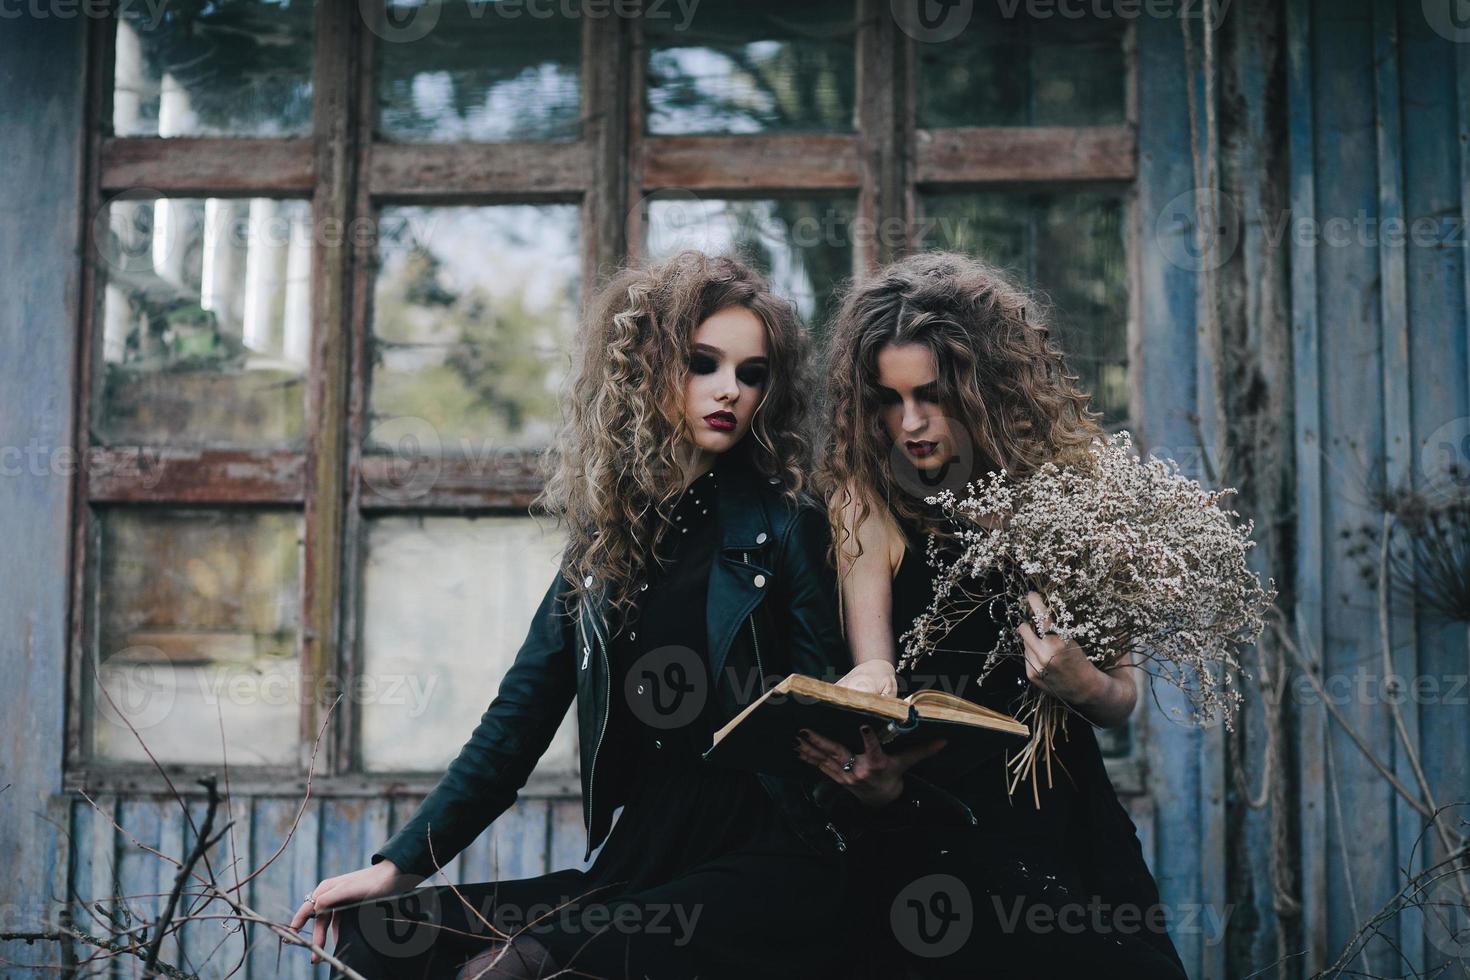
x: 1131, y: 557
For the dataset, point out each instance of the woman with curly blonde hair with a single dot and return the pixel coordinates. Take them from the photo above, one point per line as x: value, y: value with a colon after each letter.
x: 694, y: 576
x: 941, y: 369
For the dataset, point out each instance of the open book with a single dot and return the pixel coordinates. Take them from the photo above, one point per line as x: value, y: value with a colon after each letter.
x: 760, y: 737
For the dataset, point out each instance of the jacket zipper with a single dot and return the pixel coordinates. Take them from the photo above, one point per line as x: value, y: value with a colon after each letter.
x: 592, y: 771
x: 754, y: 639
x: 761, y: 671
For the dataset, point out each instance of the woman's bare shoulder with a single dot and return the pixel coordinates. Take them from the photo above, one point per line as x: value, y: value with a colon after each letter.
x: 877, y: 529
x: 897, y: 544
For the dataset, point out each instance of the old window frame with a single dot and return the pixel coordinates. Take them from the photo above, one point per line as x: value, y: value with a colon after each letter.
x: 883, y: 163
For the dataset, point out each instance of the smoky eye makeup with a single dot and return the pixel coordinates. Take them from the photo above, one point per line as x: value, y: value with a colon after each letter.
x: 753, y: 374
x: 924, y: 393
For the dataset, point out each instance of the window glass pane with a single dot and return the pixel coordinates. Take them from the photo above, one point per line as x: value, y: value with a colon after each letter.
x: 225, y: 68
x: 740, y: 66
x: 483, y: 71
x: 1070, y: 247
x: 206, y: 316
x: 198, y: 620
x: 804, y: 246
x: 473, y: 316
x: 446, y: 605
x: 1011, y: 69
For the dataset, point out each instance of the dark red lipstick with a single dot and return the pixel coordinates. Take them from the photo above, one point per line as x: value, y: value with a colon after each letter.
x: 921, y: 448
x: 721, y: 421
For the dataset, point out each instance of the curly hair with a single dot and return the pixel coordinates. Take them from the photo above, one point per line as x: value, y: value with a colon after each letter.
x: 614, y: 475
x: 1002, y: 377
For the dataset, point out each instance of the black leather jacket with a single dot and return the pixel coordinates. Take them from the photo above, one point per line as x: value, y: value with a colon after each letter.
x: 772, y: 610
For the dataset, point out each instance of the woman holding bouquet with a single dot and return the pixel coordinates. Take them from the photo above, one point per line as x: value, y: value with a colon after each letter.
x: 939, y: 371
x: 695, y: 570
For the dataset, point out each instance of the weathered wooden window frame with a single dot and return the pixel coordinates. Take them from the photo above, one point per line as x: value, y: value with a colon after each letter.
x: 883, y: 163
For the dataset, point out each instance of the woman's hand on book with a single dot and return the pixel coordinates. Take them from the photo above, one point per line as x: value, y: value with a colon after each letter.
x: 876, y: 776
x: 374, y: 881
x: 877, y: 676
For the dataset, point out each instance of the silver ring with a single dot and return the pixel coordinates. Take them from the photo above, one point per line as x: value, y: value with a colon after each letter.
x: 851, y: 761
x: 311, y: 898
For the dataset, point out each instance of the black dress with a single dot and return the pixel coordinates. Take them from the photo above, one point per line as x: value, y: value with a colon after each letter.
x: 700, y: 876
x: 1030, y: 891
